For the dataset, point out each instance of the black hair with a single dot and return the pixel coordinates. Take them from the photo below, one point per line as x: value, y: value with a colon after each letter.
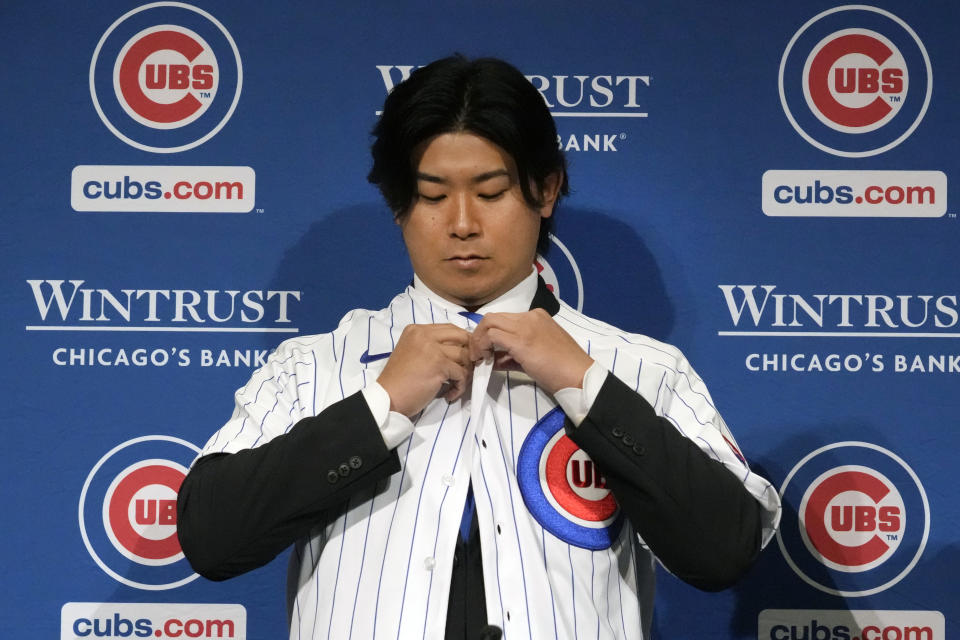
x: 487, y: 97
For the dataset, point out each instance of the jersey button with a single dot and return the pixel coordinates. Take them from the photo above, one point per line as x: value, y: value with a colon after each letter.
x: 332, y: 477
x: 356, y: 462
x: 448, y: 480
x: 344, y: 470
x: 429, y: 563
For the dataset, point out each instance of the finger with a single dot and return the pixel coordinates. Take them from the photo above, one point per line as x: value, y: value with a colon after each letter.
x: 481, y: 344
x: 457, y: 379
x: 502, y: 340
x: 448, y: 334
x: 503, y: 361
x: 458, y: 353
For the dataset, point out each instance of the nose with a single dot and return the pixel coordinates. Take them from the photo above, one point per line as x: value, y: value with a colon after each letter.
x: 465, y: 223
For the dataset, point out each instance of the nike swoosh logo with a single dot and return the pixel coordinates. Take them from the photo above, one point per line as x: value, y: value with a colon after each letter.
x: 366, y: 357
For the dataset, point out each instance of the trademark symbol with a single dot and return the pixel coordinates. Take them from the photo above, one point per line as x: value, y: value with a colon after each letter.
x: 258, y: 210
x: 204, y: 94
x: 951, y: 215
x: 623, y: 136
x: 892, y: 536
x: 894, y: 98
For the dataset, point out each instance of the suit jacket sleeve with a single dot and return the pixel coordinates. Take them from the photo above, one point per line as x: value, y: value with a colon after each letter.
x: 695, y: 515
x: 237, y: 511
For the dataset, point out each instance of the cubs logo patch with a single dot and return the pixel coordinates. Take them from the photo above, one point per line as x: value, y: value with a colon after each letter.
x: 564, y: 489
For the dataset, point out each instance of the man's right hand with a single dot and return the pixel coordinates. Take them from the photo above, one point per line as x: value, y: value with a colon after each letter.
x: 425, y: 358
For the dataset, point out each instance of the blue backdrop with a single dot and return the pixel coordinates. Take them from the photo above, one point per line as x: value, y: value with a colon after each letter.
x: 184, y: 186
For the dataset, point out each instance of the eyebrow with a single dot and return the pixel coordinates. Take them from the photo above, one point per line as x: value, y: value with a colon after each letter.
x: 483, y: 177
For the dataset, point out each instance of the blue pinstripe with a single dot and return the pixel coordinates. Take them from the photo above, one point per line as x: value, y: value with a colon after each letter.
x: 573, y: 591
x: 496, y: 546
x: 396, y: 503
x: 336, y: 579
x: 436, y: 536
x: 363, y: 558
x: 413, y: 534
x: 513, y: 513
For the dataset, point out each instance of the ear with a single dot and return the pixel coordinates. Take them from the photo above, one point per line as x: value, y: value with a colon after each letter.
x: 551, y: 190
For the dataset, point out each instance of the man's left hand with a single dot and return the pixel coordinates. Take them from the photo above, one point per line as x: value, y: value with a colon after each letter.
x: 533, y: 343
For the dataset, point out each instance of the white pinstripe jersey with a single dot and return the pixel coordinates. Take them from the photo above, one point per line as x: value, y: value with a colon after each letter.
x: 380, y: 566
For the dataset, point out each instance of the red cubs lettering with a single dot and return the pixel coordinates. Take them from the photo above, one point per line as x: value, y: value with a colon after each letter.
x: 202, y: 77
x: 162, y: 512
x: 868, y: 80
x: 864, y: 518
x: 177, y: 76
x: 889, y: 519
x: 591, y: 476
x: 181, y: 76
x: 815, y: 522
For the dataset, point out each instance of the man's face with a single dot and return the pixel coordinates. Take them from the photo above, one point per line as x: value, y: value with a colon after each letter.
x: 470, y: 234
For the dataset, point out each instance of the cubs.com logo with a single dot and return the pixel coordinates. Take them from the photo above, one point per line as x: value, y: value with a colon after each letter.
x: 855, y: 519
x: 855, y: 81
x: 562, y: 270
x: 564, y: 489
x: 128, y: 512
x: 165, y: 77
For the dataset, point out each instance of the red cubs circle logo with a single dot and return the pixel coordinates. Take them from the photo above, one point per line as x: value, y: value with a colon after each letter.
x: 140, y: 512
x: 564, y: 489
x: 574, y: 483
x: 855, y: 80
x: 853, y: 518
x: 166, y: 77
x: 128, y: 512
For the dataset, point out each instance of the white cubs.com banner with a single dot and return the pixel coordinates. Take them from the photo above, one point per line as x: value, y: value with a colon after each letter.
x: 171, y: 621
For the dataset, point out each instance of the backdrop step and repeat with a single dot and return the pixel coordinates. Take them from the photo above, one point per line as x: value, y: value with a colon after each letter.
x: 769, y: 186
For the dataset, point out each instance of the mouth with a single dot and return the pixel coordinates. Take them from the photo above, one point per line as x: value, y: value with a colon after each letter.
x: 466, y: 261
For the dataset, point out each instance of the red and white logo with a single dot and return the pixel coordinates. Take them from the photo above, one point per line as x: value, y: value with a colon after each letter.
x: 856, y: 519
x: 166, y: 77
x: 852, y: 518
x: 140, y: 512
x: 564, y: 489
x: 855, y: 80
x: 128, y: 512
x: 574, y: 484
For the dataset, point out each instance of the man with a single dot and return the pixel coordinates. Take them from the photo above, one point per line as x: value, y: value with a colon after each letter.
x: 437, y: 464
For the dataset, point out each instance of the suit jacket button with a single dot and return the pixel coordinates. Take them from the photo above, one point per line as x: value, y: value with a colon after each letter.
x: 344, y: 470
x: 332, y: 477
x: 617, y: 432
x: 356, y: 462
x: 628, y: 440
x: 639, y: 450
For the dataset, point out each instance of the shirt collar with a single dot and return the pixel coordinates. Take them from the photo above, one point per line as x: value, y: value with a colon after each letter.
x: 516, y: 300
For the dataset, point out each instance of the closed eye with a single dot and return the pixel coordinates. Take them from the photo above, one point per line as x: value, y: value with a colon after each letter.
x: 491, y: 196
x: 432, y: 198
